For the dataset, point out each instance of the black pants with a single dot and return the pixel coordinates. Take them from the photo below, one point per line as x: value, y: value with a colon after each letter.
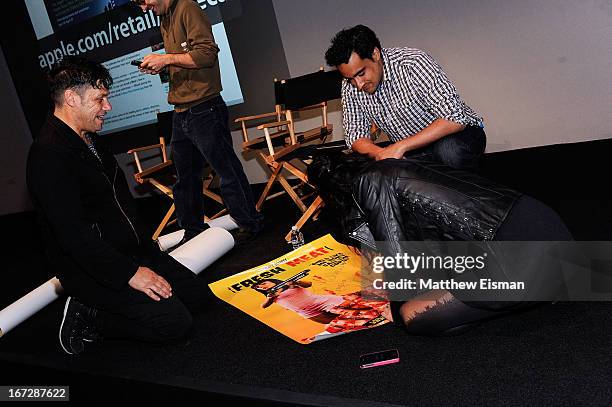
x: 460, y: 150
x: 131, y: 314
x: 202, y: 135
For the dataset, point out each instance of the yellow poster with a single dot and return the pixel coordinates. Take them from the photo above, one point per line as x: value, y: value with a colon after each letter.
x: 309, y: 294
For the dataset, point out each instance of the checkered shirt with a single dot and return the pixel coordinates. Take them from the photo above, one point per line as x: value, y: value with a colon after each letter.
x: 413, y: 92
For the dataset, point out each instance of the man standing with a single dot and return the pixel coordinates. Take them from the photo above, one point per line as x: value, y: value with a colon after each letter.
x: 200, y: 131
x: 408, y: 96
x: 120, y: 285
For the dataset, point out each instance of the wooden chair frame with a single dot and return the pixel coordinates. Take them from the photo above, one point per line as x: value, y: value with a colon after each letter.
x: 281, y: 138
x: 147, y: 175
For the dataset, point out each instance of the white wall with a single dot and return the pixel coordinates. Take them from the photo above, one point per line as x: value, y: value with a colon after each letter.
x: 538, y: 71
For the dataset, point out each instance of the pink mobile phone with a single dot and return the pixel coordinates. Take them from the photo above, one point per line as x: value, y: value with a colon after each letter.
x: 384, y: 357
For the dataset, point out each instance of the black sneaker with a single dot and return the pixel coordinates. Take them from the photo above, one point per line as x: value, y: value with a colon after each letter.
x: 242, y: 236
x: 91, y: 335
x: 77, y: 327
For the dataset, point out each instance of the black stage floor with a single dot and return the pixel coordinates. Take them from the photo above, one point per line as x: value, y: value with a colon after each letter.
x: 554, y: 354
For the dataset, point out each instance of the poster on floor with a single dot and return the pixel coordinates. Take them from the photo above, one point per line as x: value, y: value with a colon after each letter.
x: 309, y: 294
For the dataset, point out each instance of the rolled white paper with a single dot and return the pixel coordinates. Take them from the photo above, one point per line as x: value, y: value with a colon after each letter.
x: 204, y: 249
x: 29, y: 305
x: 226, y: 222
x: 197, y: 254
x: 171, y: 239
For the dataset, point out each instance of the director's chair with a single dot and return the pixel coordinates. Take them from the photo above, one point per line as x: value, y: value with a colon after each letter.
x: 162, y: 175
x: 300, y: 117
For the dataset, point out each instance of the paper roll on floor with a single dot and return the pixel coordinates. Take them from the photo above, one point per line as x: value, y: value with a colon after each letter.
x: 204, y: 249
x: 29, y: 305
x: 226, y: 222
x: 197, y: 254
x: 171, y: 239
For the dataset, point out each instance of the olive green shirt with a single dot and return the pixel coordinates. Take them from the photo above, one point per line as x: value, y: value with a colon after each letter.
x: 186, y: 28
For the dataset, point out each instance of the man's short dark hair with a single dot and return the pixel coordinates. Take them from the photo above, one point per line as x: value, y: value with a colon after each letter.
x: 76, y: 73
x: 359, y: 39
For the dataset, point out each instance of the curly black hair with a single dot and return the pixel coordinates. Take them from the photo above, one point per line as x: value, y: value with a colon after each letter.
x: 76, y: 73
x: 359, y: 39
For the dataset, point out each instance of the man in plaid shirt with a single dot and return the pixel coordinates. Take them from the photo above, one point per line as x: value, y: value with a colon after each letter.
x: 408, y: 96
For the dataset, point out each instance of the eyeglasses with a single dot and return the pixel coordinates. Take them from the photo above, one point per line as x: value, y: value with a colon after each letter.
x: 139, y: 2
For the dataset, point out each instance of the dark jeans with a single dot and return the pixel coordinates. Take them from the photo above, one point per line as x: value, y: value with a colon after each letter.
x: 201, y: 135
x: 131, y: 314
x: 461, y: 150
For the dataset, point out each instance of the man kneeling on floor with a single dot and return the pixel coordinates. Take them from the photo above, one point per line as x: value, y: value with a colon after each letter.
x: 120, y: 284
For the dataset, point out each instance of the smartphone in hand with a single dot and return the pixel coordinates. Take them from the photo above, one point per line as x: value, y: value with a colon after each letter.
x: 136, y: 63
x: 381, y: 358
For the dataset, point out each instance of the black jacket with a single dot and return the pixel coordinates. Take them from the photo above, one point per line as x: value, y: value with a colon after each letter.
x: 85, y: 210
x: 408, y: 200
x: 381, y: 204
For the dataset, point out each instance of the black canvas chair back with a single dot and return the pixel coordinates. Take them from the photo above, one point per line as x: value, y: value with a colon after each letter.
x: 310, y: 89
x: 164, y: 125
x: 281, y: 141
